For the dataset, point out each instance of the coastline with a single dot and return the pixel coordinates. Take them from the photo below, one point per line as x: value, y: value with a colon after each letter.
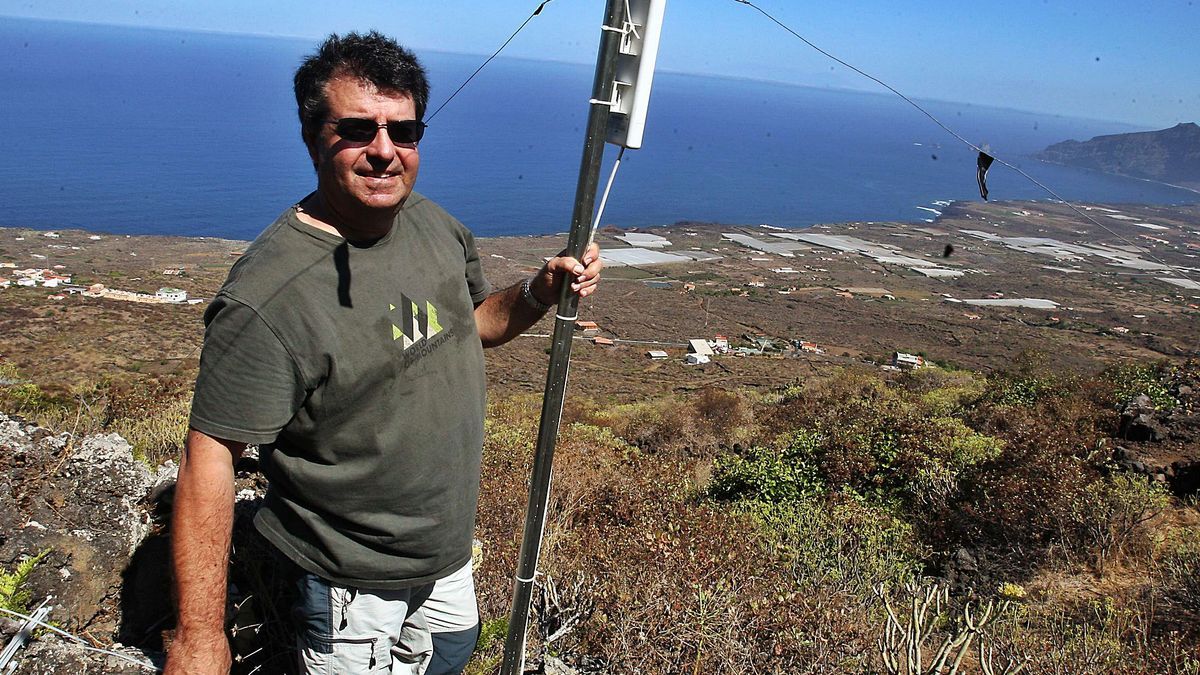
x: 1194, y: 190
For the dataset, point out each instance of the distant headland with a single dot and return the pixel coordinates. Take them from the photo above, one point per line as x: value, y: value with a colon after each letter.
x: 1167, y: 156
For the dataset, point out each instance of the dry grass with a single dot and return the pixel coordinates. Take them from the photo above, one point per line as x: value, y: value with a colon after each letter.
x: 657, y: 577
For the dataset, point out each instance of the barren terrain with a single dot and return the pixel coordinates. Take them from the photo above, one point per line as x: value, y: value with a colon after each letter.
x: 1106, y: 312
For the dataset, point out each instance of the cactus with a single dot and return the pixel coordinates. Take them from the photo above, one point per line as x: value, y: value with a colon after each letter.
x: 902, y: 646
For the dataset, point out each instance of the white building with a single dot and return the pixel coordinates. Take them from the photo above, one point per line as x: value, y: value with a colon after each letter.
x: 907, y: 361
x: 168, y: 294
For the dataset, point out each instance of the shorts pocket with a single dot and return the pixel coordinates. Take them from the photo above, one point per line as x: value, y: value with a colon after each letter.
x: 343, y: 655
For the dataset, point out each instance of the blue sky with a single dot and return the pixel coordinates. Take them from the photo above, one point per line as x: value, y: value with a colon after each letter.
x: 1100, y: 59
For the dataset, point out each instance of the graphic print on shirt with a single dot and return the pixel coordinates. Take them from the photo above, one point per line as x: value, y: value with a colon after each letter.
x: 417, y: 323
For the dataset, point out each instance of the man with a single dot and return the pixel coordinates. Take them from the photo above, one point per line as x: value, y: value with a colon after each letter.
x: 347, y: 342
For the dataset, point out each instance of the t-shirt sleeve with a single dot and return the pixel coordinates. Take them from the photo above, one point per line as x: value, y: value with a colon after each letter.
x: 477, y: 282
x: 249, y: 386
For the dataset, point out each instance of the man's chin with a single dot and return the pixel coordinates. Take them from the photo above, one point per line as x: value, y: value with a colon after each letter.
x: 381, y: 204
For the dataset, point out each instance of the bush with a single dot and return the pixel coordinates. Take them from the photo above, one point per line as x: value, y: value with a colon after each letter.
x: 724, y: 415
x: 1020, y: 500
x: 1179, y: 568
x: 1024, y: 389
x: 156, y: 435
x: 489, y: 649
x: 78, y: 411
x: 1131, y: 381
x: 710, y: 419
x: 840, y: 545
x: 660, y: 425
x: 151, y: 414
x: 1088, y: 639
x: 944, y: 392
x: 1107, y: 515
x: 770, y: 475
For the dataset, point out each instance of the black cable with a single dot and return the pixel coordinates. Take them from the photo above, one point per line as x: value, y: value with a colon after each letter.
x: 489, y: 59
x: 969, y: 144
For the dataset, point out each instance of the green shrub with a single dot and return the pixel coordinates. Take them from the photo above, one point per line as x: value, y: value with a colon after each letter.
x: 772, y: 475
x: 14, y: 595
x: 1024, y: 390
x: 1131, y: 381
x: 840, y: 545
x: 18, y: 395
x: 80, y: 410
x: 510, y: 427
x: 953, y: 399
x: 489, y: 647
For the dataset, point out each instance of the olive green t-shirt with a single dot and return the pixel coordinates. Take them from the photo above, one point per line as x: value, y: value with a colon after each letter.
x: 359, y: 371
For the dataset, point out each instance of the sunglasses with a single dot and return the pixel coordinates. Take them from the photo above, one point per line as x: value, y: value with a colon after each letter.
x: 358, y: 130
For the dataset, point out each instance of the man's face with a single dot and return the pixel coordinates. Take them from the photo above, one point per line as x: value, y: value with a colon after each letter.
x: 363, y: 181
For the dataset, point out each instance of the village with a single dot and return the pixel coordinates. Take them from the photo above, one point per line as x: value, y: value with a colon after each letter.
x: 698, y: 351
x: 59, y: 279
x: 977, y: 268
x: 694, y: 305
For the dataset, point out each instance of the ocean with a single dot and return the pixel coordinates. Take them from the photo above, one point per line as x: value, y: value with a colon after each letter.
x: 139, y: 131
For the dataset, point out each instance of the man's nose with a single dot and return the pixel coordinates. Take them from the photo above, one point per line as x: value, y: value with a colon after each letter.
x: 381, y: 146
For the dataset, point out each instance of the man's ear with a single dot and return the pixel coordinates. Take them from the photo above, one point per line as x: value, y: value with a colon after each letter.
x: 310, y: 142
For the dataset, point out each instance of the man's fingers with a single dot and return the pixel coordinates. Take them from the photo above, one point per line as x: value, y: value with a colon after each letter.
x: 567, y: 265
x: 592, y: 254
x: 585, y: 275
x: 586, y: 282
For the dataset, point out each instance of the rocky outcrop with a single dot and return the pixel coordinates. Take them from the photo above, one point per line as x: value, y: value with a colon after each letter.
x: 1161, y: 444
x: 51, y: 655
x: 1140, y: 421
x: 81, y: 502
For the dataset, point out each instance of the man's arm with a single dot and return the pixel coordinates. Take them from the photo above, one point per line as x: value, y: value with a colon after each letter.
x: 503, y: 315
x: 201, y: 527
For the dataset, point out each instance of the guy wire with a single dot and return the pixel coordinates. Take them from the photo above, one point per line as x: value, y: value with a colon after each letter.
x: 1052, y: 193
x: 489, y: 59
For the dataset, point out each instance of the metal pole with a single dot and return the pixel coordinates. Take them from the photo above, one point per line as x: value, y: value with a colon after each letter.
x: 560, y: 353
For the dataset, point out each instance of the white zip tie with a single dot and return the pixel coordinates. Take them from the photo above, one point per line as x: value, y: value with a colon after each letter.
x: 560, y: 317
x: 612, y: 103
x: 81, y: 642
x: 530, y: 580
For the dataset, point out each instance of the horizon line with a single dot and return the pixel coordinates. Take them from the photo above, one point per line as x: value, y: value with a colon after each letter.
x: 720, y: 76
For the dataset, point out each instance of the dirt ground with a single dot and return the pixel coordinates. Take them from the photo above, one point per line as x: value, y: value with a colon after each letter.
x: 1106, y: 313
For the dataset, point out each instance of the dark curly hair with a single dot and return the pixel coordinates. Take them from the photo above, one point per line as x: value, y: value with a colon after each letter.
x: 372, y: 57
